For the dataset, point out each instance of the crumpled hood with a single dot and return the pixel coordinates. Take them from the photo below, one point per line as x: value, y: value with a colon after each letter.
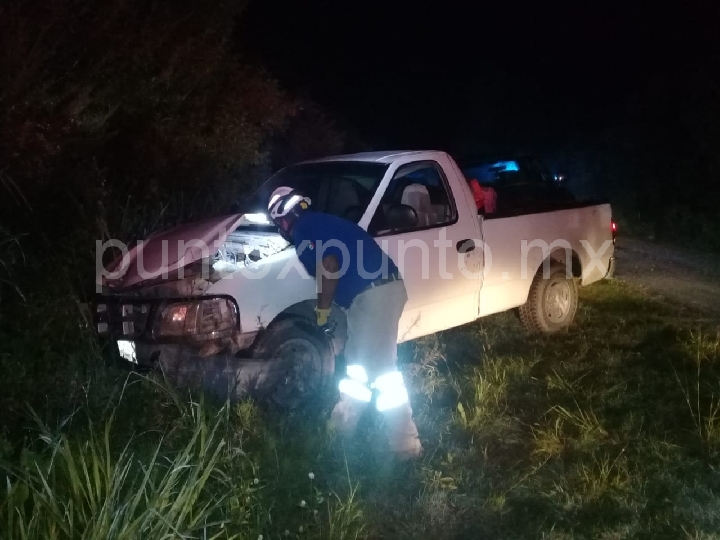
x: 165, y: 252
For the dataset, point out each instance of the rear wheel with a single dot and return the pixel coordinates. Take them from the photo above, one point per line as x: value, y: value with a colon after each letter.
x: 552, y: 301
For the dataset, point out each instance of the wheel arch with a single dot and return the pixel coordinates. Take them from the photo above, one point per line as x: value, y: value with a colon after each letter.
x: 302, y: 314
x: 566, y: 257
x: 556, y: 256
x: 560, y: 256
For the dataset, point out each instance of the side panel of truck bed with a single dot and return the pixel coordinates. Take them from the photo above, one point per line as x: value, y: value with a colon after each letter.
x: 516, y: 247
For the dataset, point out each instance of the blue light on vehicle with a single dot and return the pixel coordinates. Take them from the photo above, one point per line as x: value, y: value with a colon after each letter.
x: 506, y: 166
x: 489, y: 173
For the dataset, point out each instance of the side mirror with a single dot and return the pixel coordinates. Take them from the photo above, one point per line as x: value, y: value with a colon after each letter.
x: 401, y: 216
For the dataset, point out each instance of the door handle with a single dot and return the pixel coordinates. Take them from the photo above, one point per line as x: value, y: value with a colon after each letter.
x: 465, y: 246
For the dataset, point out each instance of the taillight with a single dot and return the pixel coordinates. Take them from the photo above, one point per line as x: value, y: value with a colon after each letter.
x: 613, y: 227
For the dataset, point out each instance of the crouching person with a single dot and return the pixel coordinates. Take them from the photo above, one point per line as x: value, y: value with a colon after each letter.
x: 352, y: 270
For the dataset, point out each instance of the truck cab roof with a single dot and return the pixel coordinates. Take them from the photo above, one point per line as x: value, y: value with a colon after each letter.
x: 387, y: 156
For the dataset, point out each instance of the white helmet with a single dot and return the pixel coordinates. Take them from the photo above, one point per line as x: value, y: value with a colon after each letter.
x: 283, y: 200
x: 284, y: 207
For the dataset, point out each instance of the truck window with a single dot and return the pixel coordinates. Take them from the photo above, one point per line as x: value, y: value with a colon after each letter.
x: 422, y: 187
x: 340, y: 188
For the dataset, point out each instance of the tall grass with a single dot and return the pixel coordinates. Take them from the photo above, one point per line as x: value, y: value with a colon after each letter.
x: 84, y: 489
x: 195, y: 470
x: 702, y: 396
x: 488, y: 389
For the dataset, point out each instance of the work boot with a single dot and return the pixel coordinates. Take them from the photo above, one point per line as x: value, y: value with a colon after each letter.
x: 345, y: 415
x: 410, y: 449
x: 402, y: 433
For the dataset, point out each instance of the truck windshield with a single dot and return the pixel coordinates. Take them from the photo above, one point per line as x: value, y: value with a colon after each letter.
x: 341, y: 188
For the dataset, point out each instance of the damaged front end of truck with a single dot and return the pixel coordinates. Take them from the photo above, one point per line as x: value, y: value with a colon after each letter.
x: 156, y: 303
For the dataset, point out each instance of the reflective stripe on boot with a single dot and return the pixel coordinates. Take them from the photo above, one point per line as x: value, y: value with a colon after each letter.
x: 355, y: 394
x: 391, y: 391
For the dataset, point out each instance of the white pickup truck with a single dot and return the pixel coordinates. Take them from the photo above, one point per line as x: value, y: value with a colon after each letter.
x: 227, y: 304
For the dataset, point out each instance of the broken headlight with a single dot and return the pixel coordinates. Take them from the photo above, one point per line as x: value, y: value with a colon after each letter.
x: 197, y: 319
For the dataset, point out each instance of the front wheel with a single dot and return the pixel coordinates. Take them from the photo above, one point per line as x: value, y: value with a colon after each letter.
x: 307, y: 358
x: 552, y: 301
x: 291, y: 366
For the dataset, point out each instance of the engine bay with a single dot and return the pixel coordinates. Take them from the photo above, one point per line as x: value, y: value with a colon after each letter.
x: 243, y: 248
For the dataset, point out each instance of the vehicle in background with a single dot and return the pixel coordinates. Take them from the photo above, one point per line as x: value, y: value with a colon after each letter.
x: 523, y: 185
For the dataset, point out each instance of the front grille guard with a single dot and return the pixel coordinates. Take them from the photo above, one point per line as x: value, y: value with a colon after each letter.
x: 133, y: 317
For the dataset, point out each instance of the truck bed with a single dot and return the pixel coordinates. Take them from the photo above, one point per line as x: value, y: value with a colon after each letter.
x: 539, y: 207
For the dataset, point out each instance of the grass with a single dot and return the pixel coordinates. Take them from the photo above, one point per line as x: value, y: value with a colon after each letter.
x: 610, y: 430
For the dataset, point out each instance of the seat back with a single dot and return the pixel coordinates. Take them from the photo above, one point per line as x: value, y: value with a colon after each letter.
x: 417, y: 196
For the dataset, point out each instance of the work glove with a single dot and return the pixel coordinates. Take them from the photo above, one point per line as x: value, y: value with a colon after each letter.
x: 323, y: 321
x: 323, y: 316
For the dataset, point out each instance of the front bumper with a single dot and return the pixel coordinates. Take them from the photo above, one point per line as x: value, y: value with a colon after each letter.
x: 134, y: 318
x: 144, y: 355
x: 130, y: 321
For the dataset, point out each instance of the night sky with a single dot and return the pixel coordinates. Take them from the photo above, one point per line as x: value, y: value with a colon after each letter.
x: 529, y: 75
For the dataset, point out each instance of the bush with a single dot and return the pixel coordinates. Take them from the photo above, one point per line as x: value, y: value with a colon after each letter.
x: 121, y: 117
x: 125, y: 116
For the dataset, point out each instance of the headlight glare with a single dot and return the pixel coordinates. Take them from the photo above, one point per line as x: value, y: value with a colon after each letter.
x: 199, y: 319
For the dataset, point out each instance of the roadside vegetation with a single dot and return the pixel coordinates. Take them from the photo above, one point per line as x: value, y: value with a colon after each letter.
x: 122, y: 117
x: 611, y: 430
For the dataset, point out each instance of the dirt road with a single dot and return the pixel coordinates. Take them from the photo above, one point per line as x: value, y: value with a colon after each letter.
x: 687, y: 277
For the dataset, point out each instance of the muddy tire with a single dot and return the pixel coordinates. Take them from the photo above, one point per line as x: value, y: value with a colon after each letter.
x: 309, y: 360
x: 552, y: 301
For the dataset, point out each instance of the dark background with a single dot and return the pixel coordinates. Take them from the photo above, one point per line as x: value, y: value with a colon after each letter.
x: 622, y: 98
x: 458, y: 75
